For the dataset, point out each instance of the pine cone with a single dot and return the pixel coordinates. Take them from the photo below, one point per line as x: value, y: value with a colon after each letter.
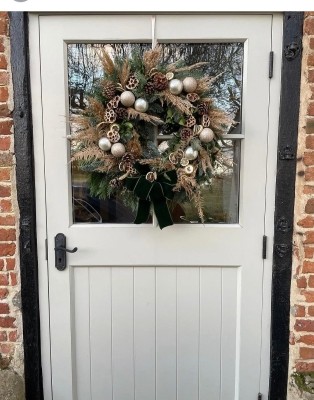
x: 128, y: 157
x: 115, y: 183
x: 202, y: 108
x: 122, y: 113
x: 149, y: 88
x: 186, y: 133
x: 109, y: 90
x: 160, y: 81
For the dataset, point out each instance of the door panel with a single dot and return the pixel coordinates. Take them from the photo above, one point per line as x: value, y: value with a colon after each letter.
x: 162, y: 331
x: 141, y: 313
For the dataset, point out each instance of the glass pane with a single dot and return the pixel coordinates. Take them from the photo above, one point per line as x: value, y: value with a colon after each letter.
x: 220, y: 189
x: 220, y: 193
x: 84, y: 70
x: 225, y: 63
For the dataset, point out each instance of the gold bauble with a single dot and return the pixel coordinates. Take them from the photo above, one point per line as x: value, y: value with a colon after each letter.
x: 127, y: 98
x: 189, y: 84
x: 117, y: 150
x: 206, y: 135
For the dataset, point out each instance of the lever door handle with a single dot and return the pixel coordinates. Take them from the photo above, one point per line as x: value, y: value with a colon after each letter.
x: 60, y: 248
x: 61, y: 252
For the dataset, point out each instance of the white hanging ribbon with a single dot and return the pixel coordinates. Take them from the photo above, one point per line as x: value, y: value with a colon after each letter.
x: 154, y: 40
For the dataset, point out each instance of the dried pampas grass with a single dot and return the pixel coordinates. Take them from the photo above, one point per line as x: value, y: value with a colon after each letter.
x: 124, y: 73
x: 107, y: 62
x: 151, y: 58
x: 182, y: 105
x: 132, y: 114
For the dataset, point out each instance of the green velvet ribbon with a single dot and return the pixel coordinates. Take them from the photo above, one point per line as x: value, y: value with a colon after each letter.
x: 156, y: 193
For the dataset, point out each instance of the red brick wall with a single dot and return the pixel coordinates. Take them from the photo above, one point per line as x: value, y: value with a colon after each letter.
x: 10, y: 316
x: 302, y: 292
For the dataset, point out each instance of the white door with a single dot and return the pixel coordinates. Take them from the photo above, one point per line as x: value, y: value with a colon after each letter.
x: 140, y: 313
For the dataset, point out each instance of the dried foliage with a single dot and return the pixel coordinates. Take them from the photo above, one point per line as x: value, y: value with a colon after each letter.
x: 158, y: 164
x: 96, y: 109
x: 134, y: 145
x: 107, y: 62
x: 180, y: 103
x: 109, y: 164
x: 203, y: 84
x: 205, y: 160
x: 187, y: 183
x: 124, y: 73
x: 87, y: 136
x: 133, y: 114
x: 191, y: 67
x: 90, y: 153
x: 199, y: 205
x: 219, y: 120
x: 151, y: 58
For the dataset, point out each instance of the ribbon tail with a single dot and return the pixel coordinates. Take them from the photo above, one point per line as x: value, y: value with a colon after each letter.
x: 162, y: 213
x: 142, y: 211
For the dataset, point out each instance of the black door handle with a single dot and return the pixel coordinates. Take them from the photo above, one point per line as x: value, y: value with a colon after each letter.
x: 60, y: 248
x: 61, y: 252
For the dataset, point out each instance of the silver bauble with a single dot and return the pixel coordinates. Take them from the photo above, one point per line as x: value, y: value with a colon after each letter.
x: 190, y: 154
x: 189, y: 84
x: 104, y: 144
x: 175, y: 86
x: 207, y: 135
x: 127, y: 98
x: 117, y: 150
x: 141, y: 105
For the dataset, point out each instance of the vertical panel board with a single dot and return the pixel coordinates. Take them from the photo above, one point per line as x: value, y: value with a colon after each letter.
x: 100, y: 333
x: 188, y: 298
x: 122, y: 333
x: 210, y: 333
x: 144, y: 333
x: 82, y: 332
x: 166, y: 333
x: 229, y: 332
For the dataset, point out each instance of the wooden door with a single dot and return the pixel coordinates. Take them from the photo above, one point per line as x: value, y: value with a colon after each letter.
x: 140, y: 313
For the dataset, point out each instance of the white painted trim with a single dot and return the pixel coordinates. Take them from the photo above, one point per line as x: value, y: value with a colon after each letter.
x: 40, y: 195
x: 274, y: 108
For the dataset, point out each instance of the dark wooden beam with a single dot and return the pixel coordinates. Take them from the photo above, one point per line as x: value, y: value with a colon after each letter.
x: 25, y: 181
x: 284, y: 202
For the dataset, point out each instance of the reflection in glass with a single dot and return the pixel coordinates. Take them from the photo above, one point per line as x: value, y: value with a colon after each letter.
x: 220, y: 193
x: 225, y: 62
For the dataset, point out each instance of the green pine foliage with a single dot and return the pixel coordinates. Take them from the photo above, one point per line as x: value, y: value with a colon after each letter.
x: 99, y: 185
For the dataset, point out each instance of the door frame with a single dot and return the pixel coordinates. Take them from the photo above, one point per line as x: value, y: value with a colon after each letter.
x: 36, y: 335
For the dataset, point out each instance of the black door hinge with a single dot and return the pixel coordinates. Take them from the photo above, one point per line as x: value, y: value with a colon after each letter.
x: 259, y: 396
x: 271, y: 64
x: 264, y: 253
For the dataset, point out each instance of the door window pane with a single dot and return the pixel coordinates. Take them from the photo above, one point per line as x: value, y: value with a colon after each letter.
x: 220, y: 191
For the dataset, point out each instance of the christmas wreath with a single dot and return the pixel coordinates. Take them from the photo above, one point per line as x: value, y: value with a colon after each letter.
x: 138, y: 99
